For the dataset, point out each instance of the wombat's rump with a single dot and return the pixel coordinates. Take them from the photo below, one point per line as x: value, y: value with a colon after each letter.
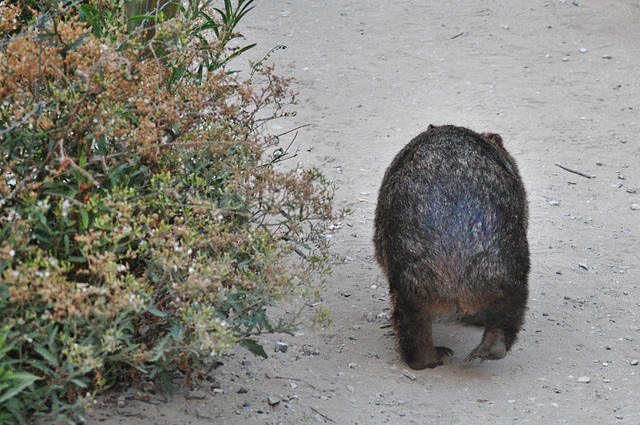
x: 451, y: 231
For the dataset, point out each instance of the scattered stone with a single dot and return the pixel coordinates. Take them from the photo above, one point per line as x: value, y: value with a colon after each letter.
x: 309, y: 350
x: 246, y: 363
x: 242, y: 390
x: 281, y: 347
x: 408, y: 375
x: 584, y: 379
x: 197, y: 395
x: 635, y: 206
x: 583, y: 265
x: 122, y: 401
x: 211, y: 379
x: 606, y: 56
x: 346, y: 294
x: 364, y: 193
x: 293, y: 385
x: 351, y: 389
x: 273, y: 400
x: 352, y: 365
x: 554, y: 203
x: 634, y: 362
x: 371, y: 317
x: 356, y: 327
x: 583, y: 50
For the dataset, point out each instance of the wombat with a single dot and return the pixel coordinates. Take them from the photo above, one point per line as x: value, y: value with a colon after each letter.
x: 451, y: 232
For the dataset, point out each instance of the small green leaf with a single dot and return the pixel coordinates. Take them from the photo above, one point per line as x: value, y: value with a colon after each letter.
x: 157, y: 312
x: 85, y: 219
x: 25, y: 379
x: 79, y: 383
x: 253, y: 346
x: 141, y: 18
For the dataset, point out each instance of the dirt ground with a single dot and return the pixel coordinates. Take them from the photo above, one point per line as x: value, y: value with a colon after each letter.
x: 561, y: 83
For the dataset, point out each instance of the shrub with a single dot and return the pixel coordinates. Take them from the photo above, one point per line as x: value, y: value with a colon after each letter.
x: 147, y: 220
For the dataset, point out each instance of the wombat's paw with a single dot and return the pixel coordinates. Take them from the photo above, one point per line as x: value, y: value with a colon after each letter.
x: 495, y: 351
x: 418, y: 364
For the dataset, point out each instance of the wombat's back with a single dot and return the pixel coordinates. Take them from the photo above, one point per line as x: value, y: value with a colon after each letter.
x: 451, y: 218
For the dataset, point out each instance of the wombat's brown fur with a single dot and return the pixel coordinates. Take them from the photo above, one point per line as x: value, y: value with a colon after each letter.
x: 451, y: 231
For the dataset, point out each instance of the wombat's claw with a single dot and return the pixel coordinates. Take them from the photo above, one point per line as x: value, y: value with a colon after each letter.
x: 444, y: 351
x: 483, y: 352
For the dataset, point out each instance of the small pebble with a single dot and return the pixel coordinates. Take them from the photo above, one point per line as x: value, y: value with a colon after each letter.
x: 371, y: 317
x: 242, y: 391
x: 293, y: 385
x: 364, y: 193
x: 584, y: 379
x: 634, y: 362
x: 409, y: 375
x: 583, y: 265
x: 273, y: 400
x: 635, y: 207
x: 122, y: 400
x: 583, y: 50
x: 281, y: 347
x: 606, y: 56
x: 197, y: 395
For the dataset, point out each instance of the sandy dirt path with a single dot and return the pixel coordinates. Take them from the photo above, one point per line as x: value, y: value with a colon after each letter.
x: 561, y: 84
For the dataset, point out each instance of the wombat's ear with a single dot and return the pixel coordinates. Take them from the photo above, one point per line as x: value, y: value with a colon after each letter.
x: 495, y: 138
x: 431, y: 127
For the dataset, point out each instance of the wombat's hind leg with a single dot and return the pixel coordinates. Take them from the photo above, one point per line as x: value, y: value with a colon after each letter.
x: 503, y: 321
x: 492, y: 347
x: 413, y: 322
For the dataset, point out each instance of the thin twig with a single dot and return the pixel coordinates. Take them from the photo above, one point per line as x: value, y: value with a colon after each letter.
x: 293, y: 129
x: 295, y: 379
x: 323, y: 415
x: 589, y: 176
x: 36, y: 110
x: 300, y: 253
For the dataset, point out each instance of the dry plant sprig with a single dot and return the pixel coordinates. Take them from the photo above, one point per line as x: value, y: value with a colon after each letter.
x: 144, y: 224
